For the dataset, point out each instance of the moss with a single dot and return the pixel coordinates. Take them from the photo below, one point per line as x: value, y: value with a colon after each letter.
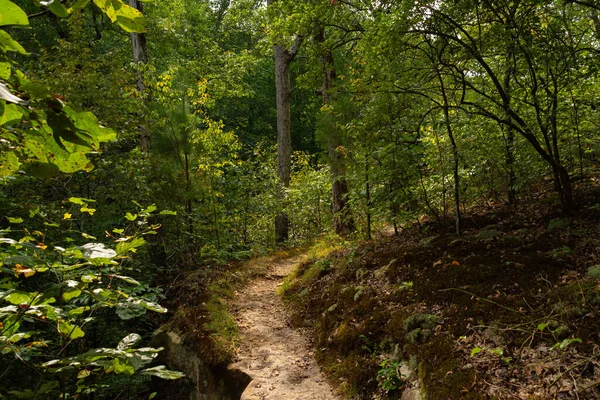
x: 419, y: 327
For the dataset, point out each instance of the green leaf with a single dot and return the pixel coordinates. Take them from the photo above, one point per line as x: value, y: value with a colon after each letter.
x: 42, y: 170
x: 9, y: 163
x: 83, y: 374
x: 5, y: 70
x: 476, y: 351
x: 124, y: 247
x: 128, y: 24
x: 152, y: 306
x: 79, y: 5
x: 127, y: 279
x: 128, y: 310
x: 565, y: 343
x: 122, y: 366
x: 19, y: 297
x: 11, y: 14
x: 71, y: 294
x: 498, y: 351
x: 129, y: 341
x: 7, y: 43
x: 162, y: 372
x: 58, y: 9
x: 77, y: 200
x: 72, y: 331
x: 15, y: 220
x: 167, y: 212
x: 541, y: 327
x: 131, y: 217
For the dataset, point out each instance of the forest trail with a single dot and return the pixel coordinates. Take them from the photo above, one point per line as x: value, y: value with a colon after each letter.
x: 278, y: 358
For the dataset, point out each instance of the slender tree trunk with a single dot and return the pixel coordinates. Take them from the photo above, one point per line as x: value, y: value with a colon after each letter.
x: 456, y: 175
x: 368, y: 195
x: 343, y: 223
x: 510, y: 134
x: 283, y: 58
x: 140, y: 57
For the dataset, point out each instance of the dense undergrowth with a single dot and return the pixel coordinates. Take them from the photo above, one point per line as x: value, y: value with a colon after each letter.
x: 508, y: 310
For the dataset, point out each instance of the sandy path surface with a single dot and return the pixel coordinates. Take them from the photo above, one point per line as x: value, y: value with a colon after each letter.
x: 277, y: 357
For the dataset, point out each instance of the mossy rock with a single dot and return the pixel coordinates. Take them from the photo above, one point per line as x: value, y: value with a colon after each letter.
x: 419, y: 327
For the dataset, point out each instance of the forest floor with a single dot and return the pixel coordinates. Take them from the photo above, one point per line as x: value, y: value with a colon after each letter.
x: 278, y: 358
x: 508, y: 310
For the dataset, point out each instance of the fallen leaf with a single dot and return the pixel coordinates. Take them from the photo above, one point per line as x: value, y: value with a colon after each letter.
x: 27, y: 272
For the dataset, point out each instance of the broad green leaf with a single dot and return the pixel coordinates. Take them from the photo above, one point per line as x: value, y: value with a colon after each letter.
x: 11, y: 14
x: 58, y: 9
x: 71, y: 294
x: 7, y: 43
x: 136, y: 24
x: 150, y: 209
x: 129, y: 341
x: 5, y: 69
x: 72, y: 331
x: 542, y: 326
x: 162, y: 372
x: 130, y: 310
x: 122, y: 366
x: 9, y: 163
x: 152, y: 306
x: 19, y: 297
x: 124, y: 247
x: 108, y: 7
x: 77, y: 200
x: 78, y: 311
x: 42, y: 170
x: 12, y: 220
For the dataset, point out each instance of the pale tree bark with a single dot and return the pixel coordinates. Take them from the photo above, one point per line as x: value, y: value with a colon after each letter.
x: 283, y: 58
x: 140, y: 56
x: 343, y: 224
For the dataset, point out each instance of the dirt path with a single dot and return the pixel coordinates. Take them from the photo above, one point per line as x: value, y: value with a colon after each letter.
x: 277, y: 357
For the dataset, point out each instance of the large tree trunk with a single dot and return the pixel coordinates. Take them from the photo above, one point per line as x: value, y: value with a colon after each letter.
x: 140, y: 56
x: 283, y: 58
x: 343, y: 224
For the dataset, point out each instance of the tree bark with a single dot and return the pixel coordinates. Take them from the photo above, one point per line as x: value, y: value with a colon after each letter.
x: 343, y: 223
x: 283, y: 58
x: 140, y: 56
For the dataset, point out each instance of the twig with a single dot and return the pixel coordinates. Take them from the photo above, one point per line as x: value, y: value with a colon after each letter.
x: 571, y: 368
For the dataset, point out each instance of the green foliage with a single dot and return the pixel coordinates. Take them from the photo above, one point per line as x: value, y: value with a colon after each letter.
x: 389, y: 376
x: 52, y: 296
